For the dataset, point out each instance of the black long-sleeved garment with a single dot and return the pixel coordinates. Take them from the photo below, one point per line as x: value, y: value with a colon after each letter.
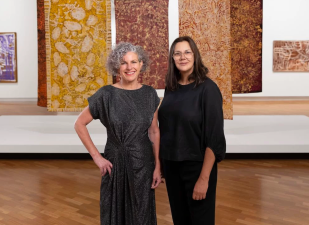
x: 191, y: 119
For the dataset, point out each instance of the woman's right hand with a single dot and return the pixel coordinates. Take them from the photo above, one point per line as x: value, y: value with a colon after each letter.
x: 103, y: 164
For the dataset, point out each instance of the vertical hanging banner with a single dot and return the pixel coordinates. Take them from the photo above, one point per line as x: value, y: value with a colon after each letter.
x: 246, y: 45
x: 208, y: 23
x: 78, y: 40
x: 42, y: 86
x: 145, y: 23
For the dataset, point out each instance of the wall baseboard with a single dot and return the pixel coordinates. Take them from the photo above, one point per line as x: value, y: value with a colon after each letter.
x: 267, y: 156
x: 270, y: 98
x: 18, y: 99
x: 86, y: 156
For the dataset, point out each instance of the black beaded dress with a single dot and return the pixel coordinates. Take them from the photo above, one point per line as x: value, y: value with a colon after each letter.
x: 126, y: 196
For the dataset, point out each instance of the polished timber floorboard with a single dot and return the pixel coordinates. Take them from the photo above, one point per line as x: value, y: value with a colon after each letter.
x: 66, y: 192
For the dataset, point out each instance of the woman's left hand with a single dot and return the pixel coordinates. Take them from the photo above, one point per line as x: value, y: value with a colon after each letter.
x: 200, y: 189
x: 156, y: 180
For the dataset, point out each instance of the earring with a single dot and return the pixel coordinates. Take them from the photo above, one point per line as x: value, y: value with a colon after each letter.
x: 118, y: 78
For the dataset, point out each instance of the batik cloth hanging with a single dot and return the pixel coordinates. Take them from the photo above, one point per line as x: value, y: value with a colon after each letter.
x: 78, y: 40
x: 207, y: 22
x: 145, y: 23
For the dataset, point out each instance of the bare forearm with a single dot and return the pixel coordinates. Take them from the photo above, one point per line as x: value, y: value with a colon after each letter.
x: 83, y: 134
x: 155, y: 140
x: 209, y: 160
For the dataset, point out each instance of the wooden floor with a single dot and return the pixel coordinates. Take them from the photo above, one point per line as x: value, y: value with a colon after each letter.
x: 296, y: 107
x: 66, y: 192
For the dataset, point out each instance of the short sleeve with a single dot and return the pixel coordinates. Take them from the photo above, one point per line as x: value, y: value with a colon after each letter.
x: 96, y: 104
x: 213, y: 121
x: 156, y: 99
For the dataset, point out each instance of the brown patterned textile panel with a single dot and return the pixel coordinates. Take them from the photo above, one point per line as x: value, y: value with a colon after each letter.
x: 291, y: 56
x: 145, y: 23
x: 208, y: 23
x: 246, y: 45
x: 42, y: 86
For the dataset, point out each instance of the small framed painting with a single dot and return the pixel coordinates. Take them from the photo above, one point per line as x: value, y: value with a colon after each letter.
x: 291, y: 56
x: 8, y: 58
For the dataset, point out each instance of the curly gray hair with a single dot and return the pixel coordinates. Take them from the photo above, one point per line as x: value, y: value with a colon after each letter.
x: 115, y: 57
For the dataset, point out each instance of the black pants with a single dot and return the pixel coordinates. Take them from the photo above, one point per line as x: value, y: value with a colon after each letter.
x: 180, y: 180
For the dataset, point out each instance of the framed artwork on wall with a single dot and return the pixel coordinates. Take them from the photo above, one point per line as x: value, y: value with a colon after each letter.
x: 291, y: 56
x: 8, y: 58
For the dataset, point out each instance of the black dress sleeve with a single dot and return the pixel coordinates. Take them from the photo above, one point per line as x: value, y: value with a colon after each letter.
x: 156, y: 100
x: 96, y: 105
x: 213, y: 120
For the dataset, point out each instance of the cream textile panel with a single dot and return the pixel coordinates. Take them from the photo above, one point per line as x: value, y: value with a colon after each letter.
x: 208, y: 23
x: 78, y: 39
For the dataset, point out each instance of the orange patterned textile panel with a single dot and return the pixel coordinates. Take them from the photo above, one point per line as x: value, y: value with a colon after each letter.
x: 291, y: 56
x: 78, y: 40
x: 246, y: 43
x: 145, y: 23
x: 208, y: 23
x: 42, y: 86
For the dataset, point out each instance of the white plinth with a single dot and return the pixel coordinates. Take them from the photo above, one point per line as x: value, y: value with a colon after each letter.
x: 244, y: 134
x: 267, y: 134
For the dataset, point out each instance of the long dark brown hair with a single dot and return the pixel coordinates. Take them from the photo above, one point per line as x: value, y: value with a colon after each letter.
x: 200, y: 71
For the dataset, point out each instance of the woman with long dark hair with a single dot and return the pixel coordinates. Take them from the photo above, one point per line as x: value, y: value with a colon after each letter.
x: 192, y: 136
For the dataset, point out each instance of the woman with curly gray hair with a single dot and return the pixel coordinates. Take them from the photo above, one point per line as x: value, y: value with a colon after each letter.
x: 130, y: 166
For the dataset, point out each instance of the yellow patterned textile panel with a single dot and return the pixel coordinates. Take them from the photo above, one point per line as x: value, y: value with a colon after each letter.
x: 208, y: 23
x: 78, y: 40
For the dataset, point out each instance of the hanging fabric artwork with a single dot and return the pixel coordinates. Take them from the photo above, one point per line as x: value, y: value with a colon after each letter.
x: 78, y: 39
x: 208, y: 23
x: 246, y: 42
x: 145, y: 23
x: 42, y: 86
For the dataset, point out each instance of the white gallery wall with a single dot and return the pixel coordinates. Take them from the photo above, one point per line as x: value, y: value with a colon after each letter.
x: 20, y: 16
x: 282, y: 20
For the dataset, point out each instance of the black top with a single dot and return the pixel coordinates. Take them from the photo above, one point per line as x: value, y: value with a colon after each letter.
x: 191, y: 119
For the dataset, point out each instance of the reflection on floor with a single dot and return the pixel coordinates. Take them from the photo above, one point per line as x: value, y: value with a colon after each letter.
x: 244, y: 134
